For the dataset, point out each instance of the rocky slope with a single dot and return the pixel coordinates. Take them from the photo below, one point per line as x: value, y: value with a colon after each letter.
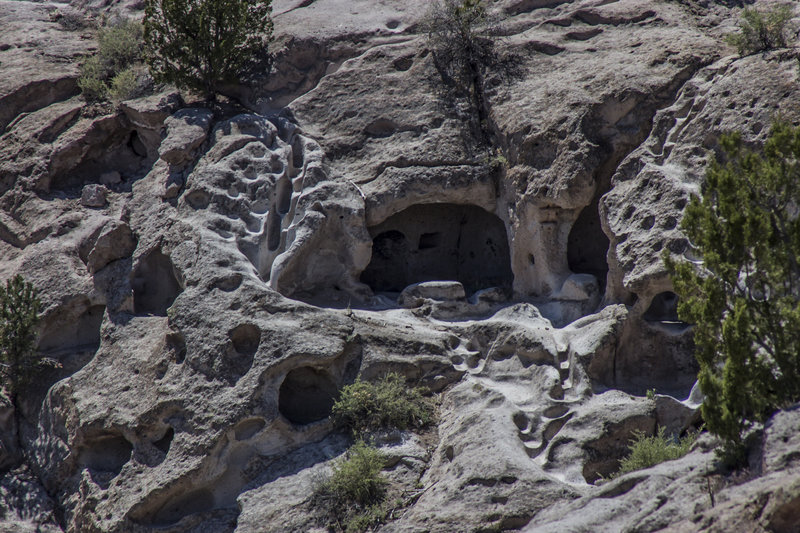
x: 210, y: 279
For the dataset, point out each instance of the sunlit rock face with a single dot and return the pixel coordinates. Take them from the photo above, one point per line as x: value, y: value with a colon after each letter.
x: 212, y: 278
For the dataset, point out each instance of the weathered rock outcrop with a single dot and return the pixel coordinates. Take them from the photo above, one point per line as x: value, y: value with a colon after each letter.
x: 211, y: 278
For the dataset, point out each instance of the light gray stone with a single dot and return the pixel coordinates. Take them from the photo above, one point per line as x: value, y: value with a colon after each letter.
x: 247, y: 265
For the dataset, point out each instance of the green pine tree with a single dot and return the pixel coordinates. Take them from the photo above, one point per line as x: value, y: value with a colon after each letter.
x: 19, y: 316
x: 19, y: 360
x: 204, y: 44
x: 744, y: 296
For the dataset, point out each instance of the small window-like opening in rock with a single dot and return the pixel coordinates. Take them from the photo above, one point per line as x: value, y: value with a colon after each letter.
x: 663, y: 308
x: 164, y: 442
x: 307, y: 395
x: 429, y: 240
x: 439, y: 242
x: 155, y: 286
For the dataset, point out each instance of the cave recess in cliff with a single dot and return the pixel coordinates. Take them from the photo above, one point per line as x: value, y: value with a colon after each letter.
x: 307, y: 395
x: 663, y: 308
x: 155, y: 286
x: 587, y: 245
x: 439, y: 242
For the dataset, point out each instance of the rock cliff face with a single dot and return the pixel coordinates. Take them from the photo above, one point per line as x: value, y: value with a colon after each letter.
x: 211, y: 279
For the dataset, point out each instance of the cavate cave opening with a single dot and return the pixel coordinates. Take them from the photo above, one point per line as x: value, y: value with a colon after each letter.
x: 587, y: 246
x: 155, y: 286
x: 307, y: 395
x: 120, y: 150
x: 663, y: 308
x: 439, y: 242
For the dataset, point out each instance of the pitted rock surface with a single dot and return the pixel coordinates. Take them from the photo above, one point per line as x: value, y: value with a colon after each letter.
x: 347, y: 220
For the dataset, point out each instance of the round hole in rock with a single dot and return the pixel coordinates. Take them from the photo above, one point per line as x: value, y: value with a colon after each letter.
x: 307, y: 395
x: 439, y: 242
x: 245, y: 338
x: 663, y: 308
x: 155, y: 286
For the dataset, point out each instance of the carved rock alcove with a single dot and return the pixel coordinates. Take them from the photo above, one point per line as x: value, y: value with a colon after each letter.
x: 432, y: 242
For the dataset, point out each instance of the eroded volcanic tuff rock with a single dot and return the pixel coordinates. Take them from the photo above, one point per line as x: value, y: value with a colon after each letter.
x: 211, y: 279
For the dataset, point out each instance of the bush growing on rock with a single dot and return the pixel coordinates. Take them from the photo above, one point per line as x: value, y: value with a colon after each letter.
x: 388, y: 403
x: 650, y: 450
x: 113, y: 72
x: 744, y: 296
x: 762, y: 30
x: 353, y: 493
x: 460, y: 35
x: 204, y: 44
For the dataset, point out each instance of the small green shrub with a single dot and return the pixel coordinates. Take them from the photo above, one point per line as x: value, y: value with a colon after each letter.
x: 762, y: 30
x: 112, y: 72
x: 120, y: 45
x: 92, y: 80
x: 357, y: 478
x: 388, y: 403
x: 351, y: 498
x: 372, y: 516
x: 650, y: 450
x: 497, y: 161
x: 123, y: 85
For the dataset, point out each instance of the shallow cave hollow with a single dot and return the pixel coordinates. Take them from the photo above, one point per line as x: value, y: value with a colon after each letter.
x: 663, y: 308
x: 155, y: 286
x: 439, y: 242
x: 81, y: 332
x: 107, y: 453
x: 587, y: 246
x: 307, y: 395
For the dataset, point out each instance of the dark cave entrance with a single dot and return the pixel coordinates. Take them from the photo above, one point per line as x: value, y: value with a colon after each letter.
x: 155, y: 286
x: 439, y: 242
x: 587, y: 245
x: 663, y: 308
x: 307, y: 395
